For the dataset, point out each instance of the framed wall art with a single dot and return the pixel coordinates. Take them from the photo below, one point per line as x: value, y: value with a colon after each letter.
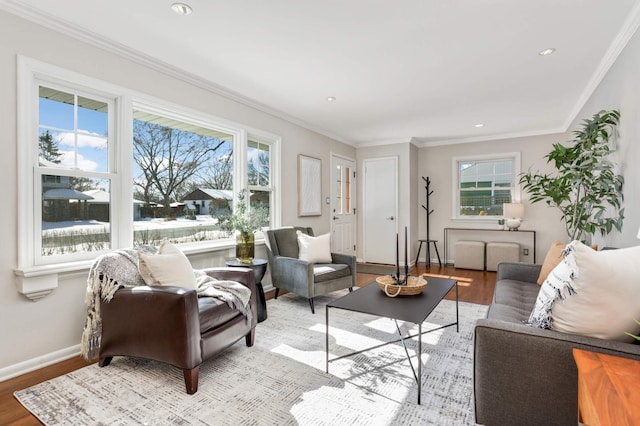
x: 309, y: 186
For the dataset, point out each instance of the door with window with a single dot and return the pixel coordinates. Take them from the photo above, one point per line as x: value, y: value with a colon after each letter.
x: 343, y: 209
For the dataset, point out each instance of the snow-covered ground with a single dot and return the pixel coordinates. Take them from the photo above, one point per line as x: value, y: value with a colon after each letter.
x: 92, y: 235
x: 89, y: 226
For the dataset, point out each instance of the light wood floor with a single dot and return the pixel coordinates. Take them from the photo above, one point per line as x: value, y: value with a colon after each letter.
x: 473, y: 286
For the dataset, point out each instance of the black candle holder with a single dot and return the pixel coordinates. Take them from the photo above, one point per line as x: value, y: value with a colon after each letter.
x: 401, y: 279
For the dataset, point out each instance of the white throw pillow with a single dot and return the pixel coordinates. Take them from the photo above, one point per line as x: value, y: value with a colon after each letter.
x: 169, y: 267
x: 592, y: 293
x: 314, y: 249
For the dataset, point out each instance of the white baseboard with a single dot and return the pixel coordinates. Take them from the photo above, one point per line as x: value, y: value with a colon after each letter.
x: 33, y: 364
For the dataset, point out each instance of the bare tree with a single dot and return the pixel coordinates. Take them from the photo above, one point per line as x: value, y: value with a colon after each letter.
x: 259, y: 169
x: 168, y: 158
x: 218, y: 174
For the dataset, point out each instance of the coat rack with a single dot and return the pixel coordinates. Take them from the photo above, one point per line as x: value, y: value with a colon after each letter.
x: 427, y: 240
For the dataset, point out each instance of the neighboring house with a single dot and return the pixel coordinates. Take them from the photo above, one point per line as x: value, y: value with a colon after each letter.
x: 208, y: 201
x: 98, y: 206
x: 59, y: 201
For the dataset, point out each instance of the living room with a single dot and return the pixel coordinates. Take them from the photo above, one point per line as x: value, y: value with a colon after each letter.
x: 47, y: 330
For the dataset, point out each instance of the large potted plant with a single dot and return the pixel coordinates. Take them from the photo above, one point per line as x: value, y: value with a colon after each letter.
x: 585, y: 186
x: 245, y: 222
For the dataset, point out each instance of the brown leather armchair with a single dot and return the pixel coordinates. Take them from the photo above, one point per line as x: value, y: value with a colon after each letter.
x: 174, y: 325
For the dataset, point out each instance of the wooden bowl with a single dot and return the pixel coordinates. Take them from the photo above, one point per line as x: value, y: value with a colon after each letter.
x: 414, y: 286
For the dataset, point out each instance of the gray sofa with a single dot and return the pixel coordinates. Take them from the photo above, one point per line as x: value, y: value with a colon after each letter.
x: 525, y: 375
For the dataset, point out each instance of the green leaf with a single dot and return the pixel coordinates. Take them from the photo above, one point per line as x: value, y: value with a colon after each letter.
x: 584, y: 186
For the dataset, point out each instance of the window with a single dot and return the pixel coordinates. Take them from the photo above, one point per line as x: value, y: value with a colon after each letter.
x: 483, y: 184
x: 182, y: 179
x: 342, y: 202
x: 73, y: 176
x: 259, y: 178
x: 102, y: 167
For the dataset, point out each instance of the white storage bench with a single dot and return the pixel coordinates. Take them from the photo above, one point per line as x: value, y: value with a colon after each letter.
x: 470, y: 255
x: 501, y: 252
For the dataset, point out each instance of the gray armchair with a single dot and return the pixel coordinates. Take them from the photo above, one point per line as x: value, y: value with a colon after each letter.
x: 301, y: 277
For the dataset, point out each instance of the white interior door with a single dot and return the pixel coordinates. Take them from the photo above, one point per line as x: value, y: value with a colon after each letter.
x: 343, y: 209
x: 380, y: 210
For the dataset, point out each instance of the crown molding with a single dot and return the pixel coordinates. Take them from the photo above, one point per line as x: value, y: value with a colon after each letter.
x: 72, y: 30
x: 495, y: 137
x: 627, y: 31
x: 386, y: 142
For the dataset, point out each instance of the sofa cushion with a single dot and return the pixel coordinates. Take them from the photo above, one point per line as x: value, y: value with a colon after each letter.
x: 513, y: 301
x: 551, y: 260
x: 330, y: 271
x: 169, y: 267
x: 214, y: 312
x: 591, y: 293
x: 314, y: 249
x: 286, y: 242
x: 519, y: 294
x: 508, y: 313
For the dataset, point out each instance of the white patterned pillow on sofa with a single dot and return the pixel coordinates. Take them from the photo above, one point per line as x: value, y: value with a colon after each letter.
x: 591, y: 293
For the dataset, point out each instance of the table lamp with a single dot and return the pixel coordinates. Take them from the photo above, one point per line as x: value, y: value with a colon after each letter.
x: 513, y: 215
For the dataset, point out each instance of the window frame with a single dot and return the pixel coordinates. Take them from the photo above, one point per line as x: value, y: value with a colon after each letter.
x: 455, y: 168
x: 32, y: 73
x: 263, y: 140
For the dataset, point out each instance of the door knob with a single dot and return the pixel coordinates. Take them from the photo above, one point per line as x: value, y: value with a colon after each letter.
x: 336, y: 218
x: 391, y: 218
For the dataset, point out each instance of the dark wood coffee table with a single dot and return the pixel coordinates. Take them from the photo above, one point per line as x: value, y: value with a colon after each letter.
x: 371, y: 300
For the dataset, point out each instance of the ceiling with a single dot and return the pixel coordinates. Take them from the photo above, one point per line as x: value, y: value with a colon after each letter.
x: 425, y: 71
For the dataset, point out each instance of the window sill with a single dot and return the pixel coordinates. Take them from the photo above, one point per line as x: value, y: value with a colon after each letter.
x: 36, y: 282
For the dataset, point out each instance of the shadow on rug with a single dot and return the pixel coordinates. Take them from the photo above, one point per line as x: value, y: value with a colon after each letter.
x: 282, y: 379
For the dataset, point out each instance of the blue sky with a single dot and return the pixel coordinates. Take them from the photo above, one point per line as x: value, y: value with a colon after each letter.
x: 85, y: 147
x: 90, y: 153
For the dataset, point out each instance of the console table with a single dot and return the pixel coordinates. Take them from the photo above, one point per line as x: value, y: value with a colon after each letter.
x: 519, y: 231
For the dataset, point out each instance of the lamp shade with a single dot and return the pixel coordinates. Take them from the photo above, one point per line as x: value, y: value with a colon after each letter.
x: 639, y: 233
x: 513, y: 210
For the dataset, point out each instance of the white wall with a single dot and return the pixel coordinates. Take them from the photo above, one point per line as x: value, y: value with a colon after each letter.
x: 31, y: 331
x: 436, y: 163
x: 620, y: 89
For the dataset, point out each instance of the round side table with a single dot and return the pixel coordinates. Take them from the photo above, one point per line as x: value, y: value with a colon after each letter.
x: 259, y: 267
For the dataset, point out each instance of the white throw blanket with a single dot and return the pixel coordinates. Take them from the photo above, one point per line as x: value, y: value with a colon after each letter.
x: 119, y: 268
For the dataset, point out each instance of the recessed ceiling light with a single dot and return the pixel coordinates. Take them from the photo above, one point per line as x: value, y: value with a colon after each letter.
x: 331, y: 98
x: 480, y: 125
x: 181, y: 8
x: 546, y: 52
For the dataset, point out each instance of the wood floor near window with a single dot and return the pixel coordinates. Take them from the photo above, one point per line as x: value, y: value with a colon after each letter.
x: 473, y: 286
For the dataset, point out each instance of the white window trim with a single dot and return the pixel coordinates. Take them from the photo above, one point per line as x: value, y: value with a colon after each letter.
x: 455, y: 200
x: 32, y: 272
x: 274, y: 174
x: 36, y: 280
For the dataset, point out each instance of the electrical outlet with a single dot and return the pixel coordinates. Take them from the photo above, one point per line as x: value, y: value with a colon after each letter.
x: 525, y: 252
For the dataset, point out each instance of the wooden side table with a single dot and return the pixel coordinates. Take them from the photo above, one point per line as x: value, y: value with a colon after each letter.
x: 259, y: 267
x: 608, y: 392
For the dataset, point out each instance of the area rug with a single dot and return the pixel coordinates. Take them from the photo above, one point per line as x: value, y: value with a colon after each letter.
x: 281, y: 380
